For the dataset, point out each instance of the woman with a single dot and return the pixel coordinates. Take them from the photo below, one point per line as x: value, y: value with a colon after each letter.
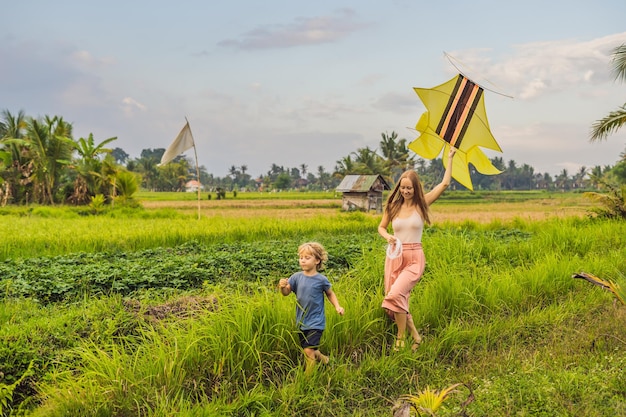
x: 407, y: 211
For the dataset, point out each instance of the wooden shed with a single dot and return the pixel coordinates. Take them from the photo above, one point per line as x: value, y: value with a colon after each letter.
x: 363, y: 192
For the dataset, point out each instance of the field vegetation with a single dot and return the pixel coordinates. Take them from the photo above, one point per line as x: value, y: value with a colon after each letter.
x: 152, y: 311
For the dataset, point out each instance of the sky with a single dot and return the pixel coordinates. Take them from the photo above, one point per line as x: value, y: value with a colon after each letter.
x: 291, y: 82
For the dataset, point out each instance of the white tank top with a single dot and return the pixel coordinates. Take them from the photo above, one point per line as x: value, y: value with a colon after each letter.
x: 409, y: 229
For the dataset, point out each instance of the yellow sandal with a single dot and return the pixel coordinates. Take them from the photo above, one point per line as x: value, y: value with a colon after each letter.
x: 399, y: 345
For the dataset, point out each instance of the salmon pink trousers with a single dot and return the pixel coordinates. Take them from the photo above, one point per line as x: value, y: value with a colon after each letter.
x: 401, y: 275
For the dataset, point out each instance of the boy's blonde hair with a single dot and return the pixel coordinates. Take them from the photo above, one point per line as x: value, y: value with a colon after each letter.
x: 315, y: 249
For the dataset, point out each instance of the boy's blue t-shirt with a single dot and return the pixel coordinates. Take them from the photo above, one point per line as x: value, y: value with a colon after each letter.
x: 310, y: 292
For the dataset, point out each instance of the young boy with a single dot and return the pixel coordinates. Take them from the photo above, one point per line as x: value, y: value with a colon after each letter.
x: 310, y: 286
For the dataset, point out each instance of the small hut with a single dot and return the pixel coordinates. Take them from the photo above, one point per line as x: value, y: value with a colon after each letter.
x: 363, y: 192
x: 192, y: 186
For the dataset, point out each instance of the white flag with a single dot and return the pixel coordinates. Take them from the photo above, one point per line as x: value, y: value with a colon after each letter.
x: 183, y: 141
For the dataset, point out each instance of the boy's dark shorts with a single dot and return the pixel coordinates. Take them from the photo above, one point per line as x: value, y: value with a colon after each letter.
x: 310, y: 338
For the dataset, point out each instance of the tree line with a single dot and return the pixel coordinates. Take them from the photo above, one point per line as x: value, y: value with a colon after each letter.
x: 41, y: 162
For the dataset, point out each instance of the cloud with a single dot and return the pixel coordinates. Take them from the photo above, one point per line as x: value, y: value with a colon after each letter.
x: 313, y: 148
x: 250, y: 113
x: 553, y: 147
x: 537, y: 69
x: 396, y: 102
x: 303, y: 31
x: 32, y: 69
x: 129, y: 105
x: 370, y: 80
x: 52, y: 79
x: 86, y: 60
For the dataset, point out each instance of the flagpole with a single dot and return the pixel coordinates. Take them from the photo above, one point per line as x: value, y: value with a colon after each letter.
x: 197, y: 168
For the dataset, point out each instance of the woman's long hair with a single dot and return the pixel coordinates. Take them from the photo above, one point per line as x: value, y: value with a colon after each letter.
x: 395, y: 199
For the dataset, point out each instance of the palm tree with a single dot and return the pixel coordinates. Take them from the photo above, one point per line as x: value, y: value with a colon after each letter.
x: 89, y: 151
x: 147, y: 167
x: 323, y: 178
x: 49, y: 146
x: 388, y: 146
x: 88, y: 168
x: 173, y: 176
x: 562, y: 180
x: 406, y: 161
x: 507, y: 177
x: 126, y: 184
x: 14, y: 161
x: 616, y: 119
x: 108, y: 177
x: 615, y: 199
x: 234, y: 173
x: 421, y: 166
x: 368, y: 162
x: 345, y: 166
x: 579, y: 177
x: 396, y: 155
x: 12, y: 127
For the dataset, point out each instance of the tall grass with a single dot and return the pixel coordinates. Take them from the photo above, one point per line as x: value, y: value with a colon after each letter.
x: 497, y: 307
x: 33, y: 236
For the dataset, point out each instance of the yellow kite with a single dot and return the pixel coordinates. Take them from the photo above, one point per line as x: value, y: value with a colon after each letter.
x: 455, y: 116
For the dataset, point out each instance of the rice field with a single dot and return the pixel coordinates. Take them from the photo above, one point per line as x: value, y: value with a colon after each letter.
x: 499, y: 311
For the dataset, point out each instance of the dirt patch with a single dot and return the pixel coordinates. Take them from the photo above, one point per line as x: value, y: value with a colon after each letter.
x: 184, y: 307
x: 539, y: 209
x: 242, y: 204
x: 280, y: 209
x: 487, y: 213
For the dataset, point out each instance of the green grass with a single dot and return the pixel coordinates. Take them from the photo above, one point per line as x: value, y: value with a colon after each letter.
x: 32, y: 236
x: 497, y: 306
